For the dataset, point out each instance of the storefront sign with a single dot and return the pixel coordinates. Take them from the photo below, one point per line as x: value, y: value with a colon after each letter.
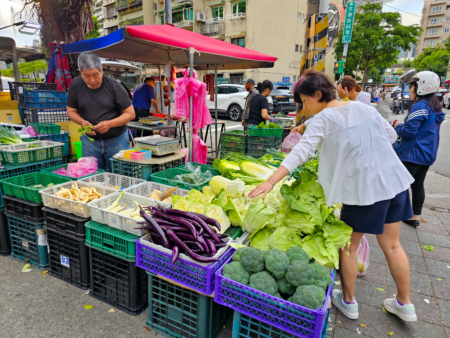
x: 390, y: 79
x: 286, y: 79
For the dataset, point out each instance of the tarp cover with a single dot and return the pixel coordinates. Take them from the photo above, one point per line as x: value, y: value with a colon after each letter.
x: 157, y: 44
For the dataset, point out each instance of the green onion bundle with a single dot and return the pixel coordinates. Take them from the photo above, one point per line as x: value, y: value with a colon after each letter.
x: 9, y: 135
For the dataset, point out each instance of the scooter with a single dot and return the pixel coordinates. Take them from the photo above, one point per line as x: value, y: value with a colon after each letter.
x: 397, y: 103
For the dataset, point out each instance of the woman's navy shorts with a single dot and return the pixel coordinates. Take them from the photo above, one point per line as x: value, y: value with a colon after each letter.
x: 371, y: 219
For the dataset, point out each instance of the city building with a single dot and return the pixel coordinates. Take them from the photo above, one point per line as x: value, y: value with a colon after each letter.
x: 98, y: 12
x: 435, y: 23
x: 257, y: 25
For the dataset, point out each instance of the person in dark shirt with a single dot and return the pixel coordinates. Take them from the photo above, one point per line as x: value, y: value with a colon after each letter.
x: 99, y: 101
x: 143, y: 97
x: 259, y: 106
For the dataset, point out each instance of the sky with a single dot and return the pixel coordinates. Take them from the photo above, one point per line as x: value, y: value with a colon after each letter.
x: 411, y: 6
x: 13, y: 32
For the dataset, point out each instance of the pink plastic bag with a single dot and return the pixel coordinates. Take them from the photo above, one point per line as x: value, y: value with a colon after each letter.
x: 199, y: 150
x: 186, y: 150
x: 290, y: 142
x: 84, y: 166
x: 363, y: 255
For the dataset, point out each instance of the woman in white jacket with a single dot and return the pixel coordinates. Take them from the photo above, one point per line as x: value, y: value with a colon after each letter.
x: 359, y: 168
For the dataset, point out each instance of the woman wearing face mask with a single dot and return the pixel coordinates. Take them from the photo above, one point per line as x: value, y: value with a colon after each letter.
x: 259, y: 106
x: 347, y: 89
x: 420, y: 136
x: 359, y: 168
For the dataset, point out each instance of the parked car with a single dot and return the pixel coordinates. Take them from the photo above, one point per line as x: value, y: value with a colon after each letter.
x: 445, y: 99
x: 282, y: 99
x: 231, y: 101
x: 441, y: 94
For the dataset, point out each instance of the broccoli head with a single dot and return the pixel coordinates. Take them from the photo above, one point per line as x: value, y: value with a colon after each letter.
x: 309, y: 296
x: 278, y: 295
x: 301, y: 273
x: 236, y: 272
x: 263, y: 281
x: 238, y: 253
x: 252, y: 260
x: 276, y: 262
x: 285, y: 287
x: 297, y: 254
x: 291, y: 299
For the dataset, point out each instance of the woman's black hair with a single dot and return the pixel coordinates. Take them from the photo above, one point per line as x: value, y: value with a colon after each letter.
x: 316, y: 81
x: 432, y: 99
x: 262, y: 86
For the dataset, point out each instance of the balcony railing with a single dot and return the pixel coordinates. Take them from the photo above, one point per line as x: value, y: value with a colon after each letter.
x: 236, y: 16
x: 132, y: 22
x: 213, y: 20
x: 184, y: 24
x: 111, y: 13
x: 212, y: 29
x: 123, y: 5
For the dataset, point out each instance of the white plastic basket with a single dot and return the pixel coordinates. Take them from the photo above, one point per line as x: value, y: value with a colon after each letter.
x: 143, y: 240
x: 120, y: 181
x: 145, y: 189
x: 121, y: 222
x: 72, y: 207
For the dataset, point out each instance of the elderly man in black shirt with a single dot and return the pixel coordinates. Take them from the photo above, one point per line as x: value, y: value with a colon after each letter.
x: 100, y: 101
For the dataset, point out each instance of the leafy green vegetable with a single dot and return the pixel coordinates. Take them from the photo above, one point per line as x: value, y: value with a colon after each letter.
x: 86, y: 129
x: 235, y: 188
x: 233, y: 213
x: 309, y: 296
x: 196, y: 207
x: 256, y: 170
x: 297, y: 254
x: 276, y: 153
x: 284, y: 238
x: 271, y: 125
x: 238, y: 253
x: 224, y: 166
x: 180, y: 203
x: 9, y: 135
x: 285, y: 287
x: 257, y: 217
x: 263, y: 281
x: 321, y: 248
x: 218, y: 183
x: 216, y: 212
x: 260, y: 239
x: 194, y: 196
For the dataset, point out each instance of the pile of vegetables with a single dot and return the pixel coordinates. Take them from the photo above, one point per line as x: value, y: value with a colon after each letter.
x: 271, y: 125
x: 184, y: 232
x: 269, y: 159
x: 165, y: 196
x: 86, y: 129
x: 9, y: 135
x: 290, y: 276
x: 276, y: 153
x: 122, y: 210
x: 195, y: 175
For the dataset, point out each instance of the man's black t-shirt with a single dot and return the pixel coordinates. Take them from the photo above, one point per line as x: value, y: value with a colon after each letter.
x: 258, y: 102
x: 102, y: 104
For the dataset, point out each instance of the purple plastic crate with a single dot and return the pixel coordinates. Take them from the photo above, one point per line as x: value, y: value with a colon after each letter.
x: 287, y: 316
x: 194, y: 276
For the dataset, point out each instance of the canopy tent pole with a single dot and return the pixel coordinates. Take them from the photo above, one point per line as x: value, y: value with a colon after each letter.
x: 215, y: 106
x: 160, y: 89
x: 191, y: 102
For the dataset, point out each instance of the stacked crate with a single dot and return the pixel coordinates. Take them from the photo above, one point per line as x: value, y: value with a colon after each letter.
x: 25, y: 211
x: 261, y: 139
x: 233, y: 142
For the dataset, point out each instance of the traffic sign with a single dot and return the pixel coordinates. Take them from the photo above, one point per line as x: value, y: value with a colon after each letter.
x: 348, y: 22
x: 286, y: 79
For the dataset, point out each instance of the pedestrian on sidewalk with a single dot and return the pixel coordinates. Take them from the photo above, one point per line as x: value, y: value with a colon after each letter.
x: 419, y: 135
x: 359, y: 168
x: 376, y: 96
x: 259, y: 106
x: 250, y: 87
x: 348, y: 89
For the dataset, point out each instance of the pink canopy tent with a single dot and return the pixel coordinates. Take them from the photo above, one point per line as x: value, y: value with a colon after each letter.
x: 160, y: 44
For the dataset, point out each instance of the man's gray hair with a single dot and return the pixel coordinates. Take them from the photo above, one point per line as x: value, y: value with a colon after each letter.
x: 89, y: 61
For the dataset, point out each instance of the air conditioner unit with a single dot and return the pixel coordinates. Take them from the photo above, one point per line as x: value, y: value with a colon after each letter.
x: 201, y: 17
x: 215, y: 28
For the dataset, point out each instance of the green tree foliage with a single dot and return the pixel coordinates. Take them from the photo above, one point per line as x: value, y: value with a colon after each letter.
x: 407, y: 64
x: 94, y: 32
x: 377, y: 37
x: 434, y: 59
x: 376, y: 74
x: 399, y: 71
x: 27, y: 68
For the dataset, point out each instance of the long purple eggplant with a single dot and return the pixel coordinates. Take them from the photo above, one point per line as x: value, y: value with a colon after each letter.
x: 220, y: 245
x: 172, y: 227
x: 175, y: 253
x: 204, y: 244
x: 186, y: 237
x: 195, y: 218
x: 211, y: 246
x: 210, y: 221
x: 188, y: 251
x: 176, y: 220
x: 156, y: 226
x: 195, y: 245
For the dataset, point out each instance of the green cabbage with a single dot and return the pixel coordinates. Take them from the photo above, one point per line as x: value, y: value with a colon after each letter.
x: 218, y: 183
x: 233, y: 213
x: 194, y: 196
x: 257, y: 217
x: 260, y: 239
x: 197, y: 207
x: 284, y: 238
x: 321, y: 248
x: 235, y: 188
x: 216, y: 212
x: 256, y: 170
x: 207, y: 190
x: 179, y: 203
x: 338, y: 232
x: 225, y: 166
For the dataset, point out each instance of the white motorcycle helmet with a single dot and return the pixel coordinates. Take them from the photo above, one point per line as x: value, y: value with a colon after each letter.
x: 427, y: 83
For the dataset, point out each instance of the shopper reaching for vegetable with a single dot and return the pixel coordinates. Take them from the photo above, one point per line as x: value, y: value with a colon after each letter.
x: 359, y: 168
x: 259, y: 106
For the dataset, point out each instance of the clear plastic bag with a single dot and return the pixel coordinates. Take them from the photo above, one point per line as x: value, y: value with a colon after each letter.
x: 363, y: 255
x: 195, y: 176
x: 290, y: 142
x: 84, y: 166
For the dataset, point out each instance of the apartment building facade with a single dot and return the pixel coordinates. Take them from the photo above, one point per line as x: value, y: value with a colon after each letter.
x: 435, y: 23
x: 262, y: 25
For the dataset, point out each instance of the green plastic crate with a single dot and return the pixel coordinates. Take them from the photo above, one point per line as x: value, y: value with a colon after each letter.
x: 20, y: 154
x: 143, y: 171
x: 256, y: 153
x: 234, y: 144
x: 112, y: 241
x: 255, y: 142
x: 22, y: 186
x: 234, y: 136
x: 174, y: 311
x: 46, y: 128
x: 11, y: 170
x: 50, y: 171
x: 168, y: 177
x: 266, y: 132
x: 234, y: 232
x: 204, y: 169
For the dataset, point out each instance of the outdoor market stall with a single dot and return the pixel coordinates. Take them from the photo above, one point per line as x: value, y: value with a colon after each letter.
x: 162, y: 44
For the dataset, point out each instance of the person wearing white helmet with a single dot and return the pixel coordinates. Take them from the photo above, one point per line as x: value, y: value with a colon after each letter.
x: 419, y: 135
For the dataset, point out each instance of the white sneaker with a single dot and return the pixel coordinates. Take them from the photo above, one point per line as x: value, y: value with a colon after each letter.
x: 406, y: 312
x: 349, y: 310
